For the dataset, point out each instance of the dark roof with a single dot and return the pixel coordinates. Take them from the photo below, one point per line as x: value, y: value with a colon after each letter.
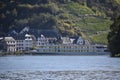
x: 36, y: 33
x: 76, y: 38
x: 18, y: 36
x: 46, y: 33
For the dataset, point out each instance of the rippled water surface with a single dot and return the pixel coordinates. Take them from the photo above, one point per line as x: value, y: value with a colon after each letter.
x: 58, y: 63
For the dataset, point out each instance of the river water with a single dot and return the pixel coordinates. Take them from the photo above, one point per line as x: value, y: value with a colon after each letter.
x: 58, y: 63
x: 59, y: 68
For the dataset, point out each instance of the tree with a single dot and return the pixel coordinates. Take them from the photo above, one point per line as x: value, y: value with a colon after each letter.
x: 114, y: 38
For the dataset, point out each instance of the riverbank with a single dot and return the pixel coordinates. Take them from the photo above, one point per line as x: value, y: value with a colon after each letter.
x: 14, y: 54
x: 60, y: 75
x: 56, y: 53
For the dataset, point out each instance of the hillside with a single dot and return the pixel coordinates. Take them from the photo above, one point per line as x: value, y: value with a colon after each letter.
x: 70, y: 17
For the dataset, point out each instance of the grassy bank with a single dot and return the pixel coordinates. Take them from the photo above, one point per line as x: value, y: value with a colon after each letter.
x: 100, y: 38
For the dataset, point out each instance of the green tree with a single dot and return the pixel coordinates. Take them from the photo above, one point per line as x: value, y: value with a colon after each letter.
x: 114, y: 38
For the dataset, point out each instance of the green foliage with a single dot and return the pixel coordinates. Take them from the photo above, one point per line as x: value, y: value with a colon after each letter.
x: 2, y: 5
x: 110, y: 7
x: 93, y: 24
x: 64, y: 16
x: 78, y: 9
x: 114, y: 37
x: 44, y: 21
x: 100, y: 38
x: 70, y: 17
x: 118, y: 1
x: 29, y: 6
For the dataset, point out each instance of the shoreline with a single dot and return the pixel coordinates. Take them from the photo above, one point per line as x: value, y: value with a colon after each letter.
x: 58, y: 53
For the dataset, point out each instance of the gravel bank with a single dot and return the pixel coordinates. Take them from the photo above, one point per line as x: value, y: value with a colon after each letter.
x: 60, y: 75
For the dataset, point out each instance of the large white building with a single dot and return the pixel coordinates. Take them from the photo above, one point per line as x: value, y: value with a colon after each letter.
x: 28, y: 38
x: 11, y: 44
x: 42, y: 41
x: 73, y: 40
x: 24, y: 42
x: 80, y: 41
x: 30, y: 41
x: 66, y: 40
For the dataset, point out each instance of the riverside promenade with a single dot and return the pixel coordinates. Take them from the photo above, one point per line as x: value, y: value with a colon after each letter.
x: 71, y: 49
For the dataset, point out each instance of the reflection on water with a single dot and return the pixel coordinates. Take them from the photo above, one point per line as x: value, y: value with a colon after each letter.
x: 56, y: 63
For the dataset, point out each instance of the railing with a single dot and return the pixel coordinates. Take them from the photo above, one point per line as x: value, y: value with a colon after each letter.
x: 69, y: 48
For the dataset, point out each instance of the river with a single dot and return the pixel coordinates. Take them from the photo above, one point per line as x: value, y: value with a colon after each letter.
x: 58, y: 63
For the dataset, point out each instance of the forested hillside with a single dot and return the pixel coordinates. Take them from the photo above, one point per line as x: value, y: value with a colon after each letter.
x: 89, y: 18
x: 114, y: 38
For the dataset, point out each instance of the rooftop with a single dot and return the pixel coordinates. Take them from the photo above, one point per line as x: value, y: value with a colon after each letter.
x: 36, y: 32
x: 9, y: 39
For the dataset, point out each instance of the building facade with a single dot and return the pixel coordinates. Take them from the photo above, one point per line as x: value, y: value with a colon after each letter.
x: 42, y: 41
x: 66, y: 40
x: 47, y: 41
x: 29, y: 42
x: 80, y: 41
x: 24, y: 42
x: 11, y: 44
